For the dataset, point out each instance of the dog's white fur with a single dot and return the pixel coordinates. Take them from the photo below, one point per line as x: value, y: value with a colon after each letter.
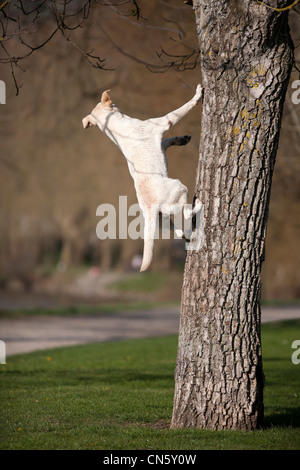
x: 142, y: 145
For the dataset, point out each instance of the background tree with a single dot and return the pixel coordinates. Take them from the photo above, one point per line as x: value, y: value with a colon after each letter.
x: 246, y: 61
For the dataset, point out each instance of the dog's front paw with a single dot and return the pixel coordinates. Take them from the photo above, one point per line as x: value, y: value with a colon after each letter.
x: 183, y: 140
x: 186, y: 139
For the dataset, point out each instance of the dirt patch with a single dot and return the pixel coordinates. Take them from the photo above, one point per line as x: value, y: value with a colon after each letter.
x: 159, y: 424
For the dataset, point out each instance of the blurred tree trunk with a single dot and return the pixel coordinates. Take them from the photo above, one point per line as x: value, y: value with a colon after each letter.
x: 246, y: 60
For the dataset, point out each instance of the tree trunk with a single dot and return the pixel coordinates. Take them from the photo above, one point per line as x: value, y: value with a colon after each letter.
x: 246, y: 60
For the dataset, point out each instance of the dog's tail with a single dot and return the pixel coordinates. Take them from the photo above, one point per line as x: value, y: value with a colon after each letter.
x: 151, y: 220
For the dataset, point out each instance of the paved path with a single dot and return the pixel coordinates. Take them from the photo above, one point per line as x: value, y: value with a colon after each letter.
x: 36, y: 333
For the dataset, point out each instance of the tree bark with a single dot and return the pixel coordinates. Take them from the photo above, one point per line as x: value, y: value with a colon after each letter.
x: 246, y: 60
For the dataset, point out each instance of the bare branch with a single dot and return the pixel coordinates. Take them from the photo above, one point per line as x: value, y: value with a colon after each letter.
x: 19, y: 18
x: 24, y: 23
x: 179, y: 62
x: 278, y: 9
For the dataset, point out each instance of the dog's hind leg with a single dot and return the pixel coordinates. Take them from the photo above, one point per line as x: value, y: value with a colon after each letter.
x: 176, y: 202
x: 190, y: 213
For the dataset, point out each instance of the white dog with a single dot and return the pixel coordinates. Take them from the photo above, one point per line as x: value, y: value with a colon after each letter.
x: 142, y: 145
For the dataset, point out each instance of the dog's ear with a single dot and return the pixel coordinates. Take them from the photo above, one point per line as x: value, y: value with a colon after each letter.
x: 86, y: 122
x: 105, y: 98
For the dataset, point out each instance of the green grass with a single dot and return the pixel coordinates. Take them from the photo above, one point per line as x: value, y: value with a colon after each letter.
x: 146, y: 282
x: 119, y: 396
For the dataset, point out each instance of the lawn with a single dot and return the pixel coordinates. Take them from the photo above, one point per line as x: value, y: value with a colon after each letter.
x: 119, y: 396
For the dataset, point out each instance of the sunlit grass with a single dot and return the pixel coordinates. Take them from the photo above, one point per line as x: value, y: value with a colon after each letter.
x: 120, y: 396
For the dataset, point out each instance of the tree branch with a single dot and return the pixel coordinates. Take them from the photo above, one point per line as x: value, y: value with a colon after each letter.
x: 18, y: 19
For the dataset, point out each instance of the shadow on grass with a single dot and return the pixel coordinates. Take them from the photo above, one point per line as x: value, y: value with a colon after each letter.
x: 283, y: 419
x: 116, y: 377
x: 94, y: 377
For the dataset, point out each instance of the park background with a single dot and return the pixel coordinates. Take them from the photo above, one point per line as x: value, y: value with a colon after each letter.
x: 54, y: 174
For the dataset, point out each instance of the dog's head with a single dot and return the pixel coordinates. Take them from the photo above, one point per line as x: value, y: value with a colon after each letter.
x: 105, y: 104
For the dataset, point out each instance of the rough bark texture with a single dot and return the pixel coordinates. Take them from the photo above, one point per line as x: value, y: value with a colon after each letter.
x: 246, y: 59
